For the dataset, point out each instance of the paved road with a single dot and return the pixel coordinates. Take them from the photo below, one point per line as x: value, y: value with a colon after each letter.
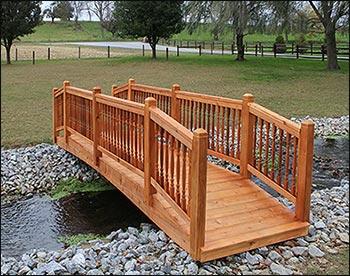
x: 138, y: 46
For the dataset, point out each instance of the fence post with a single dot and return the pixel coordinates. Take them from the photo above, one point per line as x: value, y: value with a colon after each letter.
x: 198, y: 191
x: 108, y: 51
x: 292, y: 48
x: 175, y: 108
x: 304, y: 178
x: 48, y: 53
x: 256, y: 50
x: 262, y: 50
x: 143, y: 50
x: 297, y: 49
x: 274, y: 49
x: 16, y: 58
x: 200, y: 50
x: 322, y: 50
x: 212, y: 48
x: 54, y: 115
x: 166, y: 53
x: 246, y: 139
x: 65, y: 119
x: 79, y: 52
x: 96, y: 125
x: 150, y: 150
x: 222, y: 47
x: 233, y: 48
x: 311, y: 47
x: 33, y: 57
x: 177, y: 50
x: 130, y: 83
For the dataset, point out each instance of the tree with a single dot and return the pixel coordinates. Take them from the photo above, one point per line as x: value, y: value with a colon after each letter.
x: 63, y: 10
x: 18, y: 19
x: 283, y: 12
x: 103, y: 11
x: 151, y: 19
x: 51, y: 12
x: 233, y: 13
x: 329, y: 13
x: 78, y: 7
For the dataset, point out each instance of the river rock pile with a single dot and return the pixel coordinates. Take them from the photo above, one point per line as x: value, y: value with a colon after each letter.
x: 148, y: 251
x: 338, y: 126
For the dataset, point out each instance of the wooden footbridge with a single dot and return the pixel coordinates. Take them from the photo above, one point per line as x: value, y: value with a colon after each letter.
x: 152, y: 144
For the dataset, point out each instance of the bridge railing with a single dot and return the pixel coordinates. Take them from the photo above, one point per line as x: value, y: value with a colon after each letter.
x: 171, y: 158
x: 261, y: 142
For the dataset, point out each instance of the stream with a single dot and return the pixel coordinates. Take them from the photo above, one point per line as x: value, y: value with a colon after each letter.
x: 39, y: 222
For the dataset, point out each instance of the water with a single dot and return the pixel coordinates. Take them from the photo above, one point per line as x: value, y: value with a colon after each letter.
x: 38, y: 222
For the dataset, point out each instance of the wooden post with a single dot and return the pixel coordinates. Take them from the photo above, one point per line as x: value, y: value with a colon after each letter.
x: 198, y: 191
x: 311, y: 46
x: 177, y: 50
x: 222, y: 48
x: 200, y: 50
x: 96, y: 125
x: 33, y: 57
x: 65, y: 119
x: 256, y: 50
x: 304, y: 178
x: 48, y: 53
x: 274, y: 49
x: 150, y: 150
x: 175, y: 108
x: 114, y: 87
x: 212, y: 48
x: 166, y: 53
x: 143, y: 50
x: 322, y: 50
x: 232, y: 48
x: 54, y: 115
x: 79, y: 52
x: 247, y: 136
x: 262, y: 50
x: 130, y: 83
x: 108, y: 51
x: 16, y: 54
x: 297, y: 51
x: 292, y: 48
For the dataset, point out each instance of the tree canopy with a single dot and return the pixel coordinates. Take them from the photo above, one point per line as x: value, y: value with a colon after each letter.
x: 151, y: 19
x: 18, y: 19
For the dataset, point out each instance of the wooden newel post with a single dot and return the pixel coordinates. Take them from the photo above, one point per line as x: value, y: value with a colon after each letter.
x: 130, y: 83
x: 65, y: 109
x: 54, y: 115
x: 247, y: 137
x: 150, y: 150
x: 175, y: 108
x: 96, y: 125
x: 114, y: 87
x: 304, y: 178
x: 198, y: 191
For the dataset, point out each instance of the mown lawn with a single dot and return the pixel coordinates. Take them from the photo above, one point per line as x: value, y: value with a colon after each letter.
x: 292, y: 88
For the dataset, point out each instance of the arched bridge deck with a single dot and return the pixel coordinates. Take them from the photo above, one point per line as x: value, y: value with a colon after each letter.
x: 155, y: 151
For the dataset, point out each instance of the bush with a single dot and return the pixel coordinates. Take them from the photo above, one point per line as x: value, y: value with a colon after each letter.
x: 302, y: 43
x: 280, y: 44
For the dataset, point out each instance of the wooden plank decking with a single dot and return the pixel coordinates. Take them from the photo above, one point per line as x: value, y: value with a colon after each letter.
x: 240, y: 215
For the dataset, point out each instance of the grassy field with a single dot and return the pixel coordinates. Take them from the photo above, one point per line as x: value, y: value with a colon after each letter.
x: 292, y: 88
x: 90, y: 31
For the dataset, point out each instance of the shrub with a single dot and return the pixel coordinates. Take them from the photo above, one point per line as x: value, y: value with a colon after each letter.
x: 302, y: 43
x: 280, y: 44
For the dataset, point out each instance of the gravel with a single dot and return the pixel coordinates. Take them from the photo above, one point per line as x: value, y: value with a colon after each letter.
x: 149, y: 251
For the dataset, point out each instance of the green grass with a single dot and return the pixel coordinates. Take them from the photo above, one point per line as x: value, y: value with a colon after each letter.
x: 76, y: 239
x: 90, y: 31
x: 73, y: 185
x: 290, y: 87
x: 67, y: 31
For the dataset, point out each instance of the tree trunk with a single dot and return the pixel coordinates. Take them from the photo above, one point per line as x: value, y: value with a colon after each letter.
x: 8, y: 54
x: 332, y: 50
x: 240, y: 47
x: 154, y: 52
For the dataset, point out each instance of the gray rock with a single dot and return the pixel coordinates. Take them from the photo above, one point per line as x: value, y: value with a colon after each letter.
x: 274, y: 256
x: 280, y: 269
x: 300, y: 251
x: 54, y: 267
x: 192, y: 269
x: 79, y: 259
x: 320, y: 225
x: 5, y: 269
x: 95, y: 272
x: 252, y: 259
x: 315, y: 251
x: 344, y: 237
